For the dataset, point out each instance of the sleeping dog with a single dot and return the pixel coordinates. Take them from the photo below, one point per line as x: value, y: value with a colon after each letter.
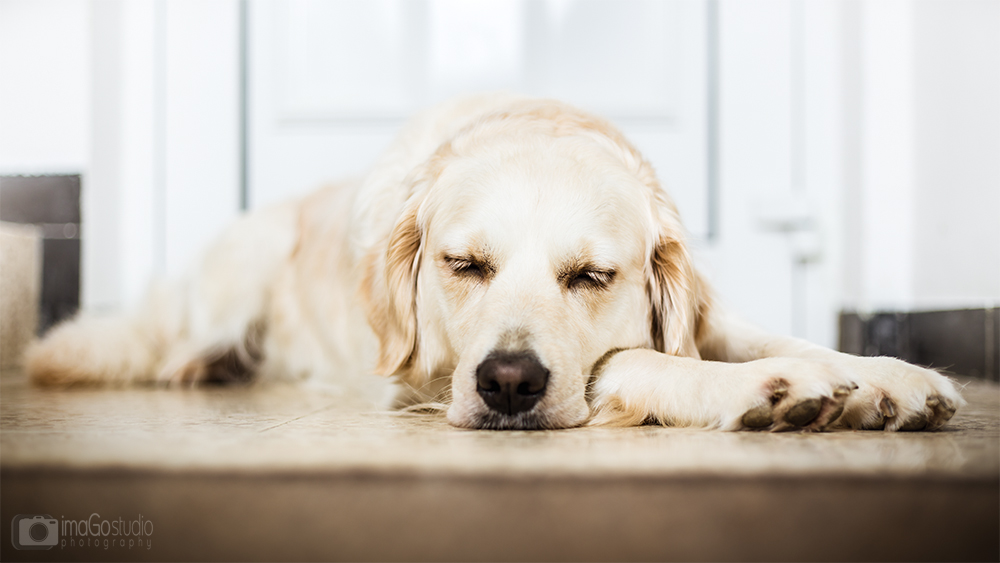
x: 515, y: 261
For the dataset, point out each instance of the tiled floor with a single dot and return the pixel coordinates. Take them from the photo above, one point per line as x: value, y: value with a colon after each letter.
x: 292, y: 473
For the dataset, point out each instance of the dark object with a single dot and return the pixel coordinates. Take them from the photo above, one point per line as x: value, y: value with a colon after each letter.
x: 511, y: 382
x: 965, y: 342
x: 53, y: 204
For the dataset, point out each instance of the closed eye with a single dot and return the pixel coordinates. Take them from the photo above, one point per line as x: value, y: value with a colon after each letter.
x: 589, y: 279
x: 469, y: 267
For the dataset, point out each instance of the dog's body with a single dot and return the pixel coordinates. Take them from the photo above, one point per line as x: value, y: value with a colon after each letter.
x: 515, y: 259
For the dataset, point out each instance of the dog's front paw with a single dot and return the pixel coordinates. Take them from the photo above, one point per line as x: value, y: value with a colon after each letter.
x: 795, y: 395
x: 894, y: 395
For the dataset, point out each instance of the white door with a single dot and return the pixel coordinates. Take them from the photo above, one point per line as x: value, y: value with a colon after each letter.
x: 729, y: 100
x: 775, y: 256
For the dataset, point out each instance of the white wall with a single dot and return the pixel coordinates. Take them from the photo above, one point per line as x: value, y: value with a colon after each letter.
x: 44, y: 86
x: 956, y: 202
x: 923, y: 154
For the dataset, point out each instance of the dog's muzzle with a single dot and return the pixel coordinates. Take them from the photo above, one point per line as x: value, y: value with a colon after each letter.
x: 511, y: 382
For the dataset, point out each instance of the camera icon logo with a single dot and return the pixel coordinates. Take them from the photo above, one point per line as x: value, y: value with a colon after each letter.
x: 34, y: 531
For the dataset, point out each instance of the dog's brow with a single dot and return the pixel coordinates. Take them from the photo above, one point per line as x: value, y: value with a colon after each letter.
x: 575, y: 264
x: 472, y: 254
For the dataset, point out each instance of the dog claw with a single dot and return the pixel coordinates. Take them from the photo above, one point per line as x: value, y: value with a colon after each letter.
x: 758, y: 417
x: 804, y: 412
x: 778, y: 393
x: 942, y: 409
x: 842, y: 391
x: 949, y: 406
x: 887, y: 408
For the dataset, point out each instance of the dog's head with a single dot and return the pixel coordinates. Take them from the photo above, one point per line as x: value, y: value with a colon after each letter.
x: 533, y: 243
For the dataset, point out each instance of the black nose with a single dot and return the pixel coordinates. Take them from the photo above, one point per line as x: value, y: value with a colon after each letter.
x: 511, y: 382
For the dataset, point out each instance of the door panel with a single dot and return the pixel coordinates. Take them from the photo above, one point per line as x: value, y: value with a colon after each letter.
x: 750, y: 266
x: 332, y: 81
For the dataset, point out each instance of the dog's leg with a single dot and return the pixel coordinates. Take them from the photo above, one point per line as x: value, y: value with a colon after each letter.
x: 640, y: 385
x: 891, y: 394
x: 207, y: 327
x: 110, y: 350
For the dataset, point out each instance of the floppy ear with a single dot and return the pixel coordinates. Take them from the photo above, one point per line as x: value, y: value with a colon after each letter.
x: 389, y: 281
x: 675, y: 295
x: 389, y: 290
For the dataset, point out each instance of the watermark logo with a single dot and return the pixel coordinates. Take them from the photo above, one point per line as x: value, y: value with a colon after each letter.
x: 41, y: 531
x: 34, y: 531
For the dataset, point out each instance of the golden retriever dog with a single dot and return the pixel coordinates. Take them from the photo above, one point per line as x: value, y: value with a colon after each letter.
x: 513, y: 261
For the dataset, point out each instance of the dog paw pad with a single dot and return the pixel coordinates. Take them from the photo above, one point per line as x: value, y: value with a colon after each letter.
x: 804, y: 412
x: 937, y: 410
x: 758, y: 417
x: 917, y: 422
x: 784, y: 408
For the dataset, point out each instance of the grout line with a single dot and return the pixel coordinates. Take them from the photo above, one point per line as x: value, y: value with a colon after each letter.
x: 291, y: 420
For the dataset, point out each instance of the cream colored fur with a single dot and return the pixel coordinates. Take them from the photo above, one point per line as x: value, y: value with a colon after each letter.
x: 579, y: 255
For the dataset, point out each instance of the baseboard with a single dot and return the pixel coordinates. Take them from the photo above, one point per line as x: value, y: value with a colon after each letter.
x: 965, y: 342
x: 52, y: 203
